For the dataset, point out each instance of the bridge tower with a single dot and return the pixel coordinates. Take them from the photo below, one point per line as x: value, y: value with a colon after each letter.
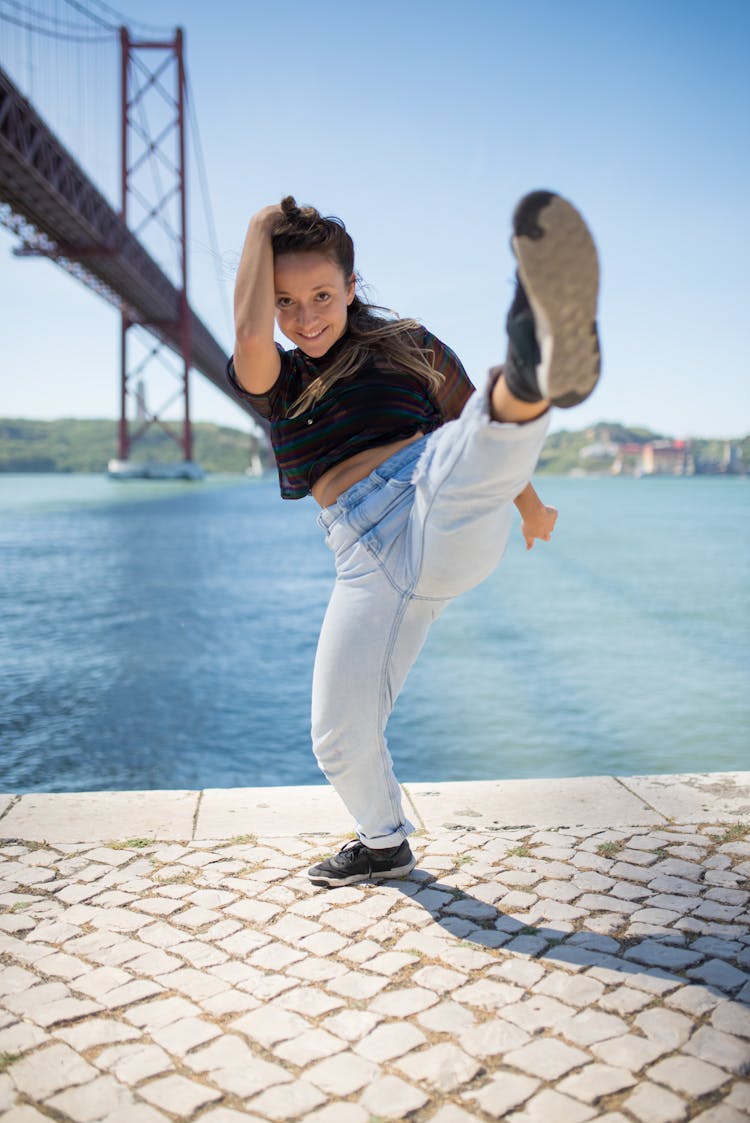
x: 153, y: 202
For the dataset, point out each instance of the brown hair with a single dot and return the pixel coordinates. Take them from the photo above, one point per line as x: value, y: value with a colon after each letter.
x: 393, y: 341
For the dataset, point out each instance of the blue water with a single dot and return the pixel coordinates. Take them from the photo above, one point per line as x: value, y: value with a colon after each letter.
x: 161, y: 635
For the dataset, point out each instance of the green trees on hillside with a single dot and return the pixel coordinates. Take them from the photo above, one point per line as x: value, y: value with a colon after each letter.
x: 75, y: 445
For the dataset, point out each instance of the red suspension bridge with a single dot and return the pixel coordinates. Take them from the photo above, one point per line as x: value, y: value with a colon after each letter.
x: 57, y: 212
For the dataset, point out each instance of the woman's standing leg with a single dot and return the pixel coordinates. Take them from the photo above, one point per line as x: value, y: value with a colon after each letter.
x: 372, y: 632
x: 370, y: 637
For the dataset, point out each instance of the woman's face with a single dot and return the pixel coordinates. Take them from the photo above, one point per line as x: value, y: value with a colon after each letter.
x: 312, y: 298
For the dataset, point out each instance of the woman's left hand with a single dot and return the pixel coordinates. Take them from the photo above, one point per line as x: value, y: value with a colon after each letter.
x: 540, y: 524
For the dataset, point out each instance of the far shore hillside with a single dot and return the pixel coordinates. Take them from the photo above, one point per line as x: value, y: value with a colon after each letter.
x: 608, y: 448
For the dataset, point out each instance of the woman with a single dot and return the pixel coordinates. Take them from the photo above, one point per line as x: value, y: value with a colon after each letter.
x: 414, y: 472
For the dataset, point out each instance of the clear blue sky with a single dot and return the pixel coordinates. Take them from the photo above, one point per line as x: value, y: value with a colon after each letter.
x: 420, y: 122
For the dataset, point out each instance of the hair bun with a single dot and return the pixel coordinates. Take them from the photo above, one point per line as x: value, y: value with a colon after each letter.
x: 289, y: 206
x: 303, y: 217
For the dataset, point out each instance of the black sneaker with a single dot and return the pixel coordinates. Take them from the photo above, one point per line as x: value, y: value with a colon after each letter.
x: 553, y: 345
x: 357, y: 862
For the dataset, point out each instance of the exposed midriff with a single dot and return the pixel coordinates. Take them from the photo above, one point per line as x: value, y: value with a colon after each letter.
x: 341, y: 476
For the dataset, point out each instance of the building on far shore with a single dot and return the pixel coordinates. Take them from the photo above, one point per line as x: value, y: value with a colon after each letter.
x: 668, y: 458
x: 628, y: 460
x: 654, y: 458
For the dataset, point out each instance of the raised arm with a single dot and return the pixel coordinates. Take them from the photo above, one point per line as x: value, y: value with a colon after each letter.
x: 256, y: 359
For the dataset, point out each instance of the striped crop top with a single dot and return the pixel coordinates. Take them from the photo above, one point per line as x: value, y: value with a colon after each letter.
x: 372, y: 407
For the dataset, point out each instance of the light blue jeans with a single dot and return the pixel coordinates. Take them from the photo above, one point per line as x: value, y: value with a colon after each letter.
x: 429, y: 523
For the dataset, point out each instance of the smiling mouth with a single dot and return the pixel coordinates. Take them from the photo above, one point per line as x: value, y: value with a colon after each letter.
x: 315, y: 335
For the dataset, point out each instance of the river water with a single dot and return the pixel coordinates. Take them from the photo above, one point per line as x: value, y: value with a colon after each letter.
x: 161, y: 635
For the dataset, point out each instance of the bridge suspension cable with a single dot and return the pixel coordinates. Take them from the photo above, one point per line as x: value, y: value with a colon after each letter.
x: 118, y: 16
x: 36, y: 22
x: 105, y: 26
x: 207, y: 208
x: 90, y: 15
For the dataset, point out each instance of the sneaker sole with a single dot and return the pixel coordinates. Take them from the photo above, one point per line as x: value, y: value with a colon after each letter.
x: 384, y: 875
x: 559, y: 269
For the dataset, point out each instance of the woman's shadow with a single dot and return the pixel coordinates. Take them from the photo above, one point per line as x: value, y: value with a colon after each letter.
x: 662, y: 961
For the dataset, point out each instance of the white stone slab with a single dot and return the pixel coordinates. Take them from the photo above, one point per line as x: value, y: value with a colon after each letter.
x: 569, y: 802
x: 229, y: 812
x: 101, y: 816
x: 698, y: 797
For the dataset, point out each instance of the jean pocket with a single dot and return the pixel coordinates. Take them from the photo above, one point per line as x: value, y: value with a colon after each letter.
x: 399, y: 474
x: 382, y: 507
x: 394, y: 485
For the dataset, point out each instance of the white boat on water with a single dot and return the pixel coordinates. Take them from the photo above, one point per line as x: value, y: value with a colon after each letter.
x: 152, y: 470
x: 255, y: 467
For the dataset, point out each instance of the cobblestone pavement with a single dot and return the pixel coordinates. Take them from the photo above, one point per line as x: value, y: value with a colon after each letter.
x: 551, y: 976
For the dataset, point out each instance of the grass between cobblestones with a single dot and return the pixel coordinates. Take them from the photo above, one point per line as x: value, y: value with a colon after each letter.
x: 734, y: 833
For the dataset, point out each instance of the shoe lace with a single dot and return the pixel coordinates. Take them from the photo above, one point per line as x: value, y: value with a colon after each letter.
x: 351, y: 850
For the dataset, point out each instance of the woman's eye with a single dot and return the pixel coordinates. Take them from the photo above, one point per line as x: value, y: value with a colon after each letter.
x: 283, y: 302
x: 323, y: 296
